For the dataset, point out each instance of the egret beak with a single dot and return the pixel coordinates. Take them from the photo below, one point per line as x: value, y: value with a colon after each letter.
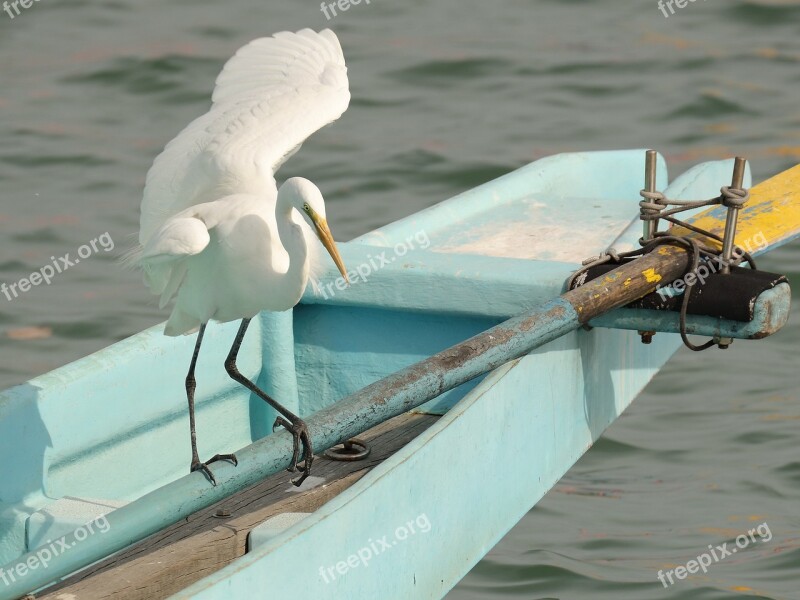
x: 324, y: 235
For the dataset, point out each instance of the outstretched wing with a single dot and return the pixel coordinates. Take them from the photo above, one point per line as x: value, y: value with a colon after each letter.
x: 272, y: 95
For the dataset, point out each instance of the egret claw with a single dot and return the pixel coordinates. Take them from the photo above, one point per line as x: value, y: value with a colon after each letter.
x: 203, y: 466
x: 300, y: 436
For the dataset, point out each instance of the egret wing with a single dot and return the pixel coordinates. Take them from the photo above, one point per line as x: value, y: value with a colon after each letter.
x: 162, y: 258
x: 270, y: 96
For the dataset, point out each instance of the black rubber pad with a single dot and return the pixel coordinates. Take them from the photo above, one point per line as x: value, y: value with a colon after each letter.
x: 731, y: 296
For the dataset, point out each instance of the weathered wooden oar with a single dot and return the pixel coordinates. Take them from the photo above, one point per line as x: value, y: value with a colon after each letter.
x: 772, y: 212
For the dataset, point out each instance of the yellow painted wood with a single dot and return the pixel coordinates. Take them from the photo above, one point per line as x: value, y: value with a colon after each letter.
x: 771, y: 215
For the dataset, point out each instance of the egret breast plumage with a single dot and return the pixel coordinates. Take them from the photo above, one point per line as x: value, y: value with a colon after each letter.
x: 216, y: 234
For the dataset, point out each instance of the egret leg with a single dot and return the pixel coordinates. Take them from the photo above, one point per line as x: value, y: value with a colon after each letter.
x: 191, y: 385
x: 288, y: 419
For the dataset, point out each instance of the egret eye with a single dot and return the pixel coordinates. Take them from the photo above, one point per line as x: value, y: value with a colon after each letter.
x: 306, y: 208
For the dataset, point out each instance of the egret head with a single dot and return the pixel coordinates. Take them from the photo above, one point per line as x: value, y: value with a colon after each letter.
x: 306, y: 198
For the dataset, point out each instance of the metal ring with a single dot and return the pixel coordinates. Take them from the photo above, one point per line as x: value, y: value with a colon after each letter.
x: 354, y: 449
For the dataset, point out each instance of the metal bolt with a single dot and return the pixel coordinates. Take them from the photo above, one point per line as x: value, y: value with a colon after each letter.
x: 733, y: 216
x: 647, y: 336
x: 723, y: 343
x: 222, y: 513
x: 649, y: 227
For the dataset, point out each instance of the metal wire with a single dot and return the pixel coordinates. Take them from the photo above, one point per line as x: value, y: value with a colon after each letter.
x: 655, y: 206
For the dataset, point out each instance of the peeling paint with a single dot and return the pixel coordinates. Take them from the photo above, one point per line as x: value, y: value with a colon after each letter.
x: 651, y: 276
x: 771, y: 211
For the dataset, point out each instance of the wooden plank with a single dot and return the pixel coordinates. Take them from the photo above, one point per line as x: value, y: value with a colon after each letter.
x: 176, y: 557
x: 773, y: 212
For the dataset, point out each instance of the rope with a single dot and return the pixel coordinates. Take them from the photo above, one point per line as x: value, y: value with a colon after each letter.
x: 733, y: 197
x: 655, y: 206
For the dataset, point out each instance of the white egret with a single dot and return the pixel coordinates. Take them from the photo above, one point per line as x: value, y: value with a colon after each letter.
x: 215, y: 230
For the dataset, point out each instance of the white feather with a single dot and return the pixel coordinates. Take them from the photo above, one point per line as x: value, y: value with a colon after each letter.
x: 272, y: 95
x: 216, y: 180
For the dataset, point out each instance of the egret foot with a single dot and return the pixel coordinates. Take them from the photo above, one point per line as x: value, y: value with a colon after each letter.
x: 299, y: 432
x: 203, y: 466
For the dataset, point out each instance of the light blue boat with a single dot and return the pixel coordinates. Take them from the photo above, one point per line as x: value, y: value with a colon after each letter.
x: 109, y: 433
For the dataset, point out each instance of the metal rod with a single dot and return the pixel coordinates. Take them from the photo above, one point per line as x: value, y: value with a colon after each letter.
x: 733, y: 216
x: 650, y: 227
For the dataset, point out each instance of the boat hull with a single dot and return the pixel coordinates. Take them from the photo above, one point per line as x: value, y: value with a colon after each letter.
x: 504, y: 441
x: 471, y: 477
